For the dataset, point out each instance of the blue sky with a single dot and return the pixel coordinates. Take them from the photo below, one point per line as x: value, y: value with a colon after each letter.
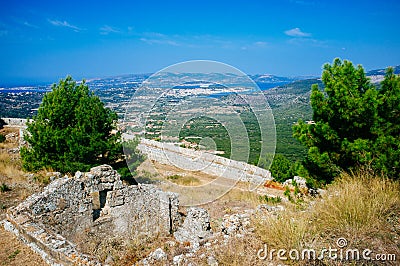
x: 46, y: 40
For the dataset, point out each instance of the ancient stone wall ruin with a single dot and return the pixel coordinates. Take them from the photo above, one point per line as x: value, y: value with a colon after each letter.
x: 191, y: 160
x: 49, y: 220
x: 14, y: 122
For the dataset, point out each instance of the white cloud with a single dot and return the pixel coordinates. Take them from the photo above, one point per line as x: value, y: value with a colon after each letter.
x: 296, y: 32
x: 159, y: 41
x: 106, y: 29
x: 26, y: 23
x: 65, y: 24
x: 260, y: 44
x: 200, y: 41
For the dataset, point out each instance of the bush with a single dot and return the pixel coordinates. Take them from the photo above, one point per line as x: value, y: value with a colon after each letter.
x: 272, y: 200
x: 281, y: 168
x: 2, y: 138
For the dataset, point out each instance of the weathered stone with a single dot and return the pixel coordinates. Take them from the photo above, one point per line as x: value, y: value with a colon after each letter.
x: 237, y: 224
x: 211, y: 261
x: 208, y: 163
x: 300, y: 182
x: 97, y: 201
x: 157, y: 255
x: 179, y: 260
x: 78, y: 174
x: 196, y: 226
x: 109, y: 260
x: 262, y: 208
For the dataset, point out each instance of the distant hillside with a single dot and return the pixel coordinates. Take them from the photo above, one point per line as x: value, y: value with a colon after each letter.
x: 382, y: 71
x: 290, y: 103
x: 289, y: 98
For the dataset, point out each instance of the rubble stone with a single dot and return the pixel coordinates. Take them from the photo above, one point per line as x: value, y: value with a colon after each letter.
x: 196, y: 226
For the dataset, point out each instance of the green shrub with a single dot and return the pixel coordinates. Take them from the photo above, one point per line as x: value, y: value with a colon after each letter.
x: 272, y: 200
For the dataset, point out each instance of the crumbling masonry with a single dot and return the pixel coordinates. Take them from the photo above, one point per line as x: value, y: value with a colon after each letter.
x: 49, y: 220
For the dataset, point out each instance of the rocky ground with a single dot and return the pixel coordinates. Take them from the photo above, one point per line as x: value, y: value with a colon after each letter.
x: 226, y: 218
x: 14, y: 252
x: 19, y: 186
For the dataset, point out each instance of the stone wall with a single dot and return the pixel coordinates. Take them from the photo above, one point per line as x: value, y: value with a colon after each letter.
x: 49, y: 220
x: 191, y: 160
x: 15, y: 122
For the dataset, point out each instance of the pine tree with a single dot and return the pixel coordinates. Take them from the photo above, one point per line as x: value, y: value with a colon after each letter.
x: 355, y: 124
x: 387, y: 145
x: 71, y: 131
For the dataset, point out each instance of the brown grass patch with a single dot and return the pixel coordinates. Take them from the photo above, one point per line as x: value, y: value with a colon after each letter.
x: 185, y: 180
x: 239, y: 195
x: 363, y: 208
x: 239, y: 251
x: 10, y: 168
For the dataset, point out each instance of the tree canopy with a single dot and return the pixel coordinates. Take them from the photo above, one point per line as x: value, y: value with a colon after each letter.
x: 355, y: 123
x: 71, y: 131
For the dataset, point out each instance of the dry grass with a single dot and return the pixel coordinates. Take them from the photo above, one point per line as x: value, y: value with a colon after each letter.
x: 358, y: 203
x: 289, y: 230
x: 186, y: 180
x: 7, y: 145
x: 43, y: 176
x: 14, y: 252
x: 10, y: 168
x: 239, y: 252
x: 243, y: 196
x: 362, y: 208
x: 10, y: 163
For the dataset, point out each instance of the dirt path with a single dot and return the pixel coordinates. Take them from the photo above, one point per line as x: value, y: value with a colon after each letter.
x: 14, y: 252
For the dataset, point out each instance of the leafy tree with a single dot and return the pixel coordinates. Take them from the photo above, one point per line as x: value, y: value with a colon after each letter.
x: 71, y: 131
x: 353, y: 123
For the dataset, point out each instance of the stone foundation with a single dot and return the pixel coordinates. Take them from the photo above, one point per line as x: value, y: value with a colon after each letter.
x: 48, y: 220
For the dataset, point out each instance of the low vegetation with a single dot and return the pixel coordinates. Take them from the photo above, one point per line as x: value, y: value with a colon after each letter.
x: 363, y: 208
x: 10, y: 167
x: 185, y: 180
